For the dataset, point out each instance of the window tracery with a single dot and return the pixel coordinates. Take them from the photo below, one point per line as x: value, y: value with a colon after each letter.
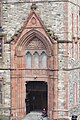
x: 36, y: 54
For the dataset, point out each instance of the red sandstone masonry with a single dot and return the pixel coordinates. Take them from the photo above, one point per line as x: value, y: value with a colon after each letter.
x: 19, y: 73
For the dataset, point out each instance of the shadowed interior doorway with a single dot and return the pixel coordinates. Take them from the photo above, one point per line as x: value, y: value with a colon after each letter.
x: 36, y: 96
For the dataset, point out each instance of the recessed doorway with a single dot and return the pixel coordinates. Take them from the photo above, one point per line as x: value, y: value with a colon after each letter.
x: 36, y: 96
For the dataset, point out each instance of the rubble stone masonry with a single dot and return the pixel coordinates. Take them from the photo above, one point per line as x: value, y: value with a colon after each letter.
x: 60, y: 17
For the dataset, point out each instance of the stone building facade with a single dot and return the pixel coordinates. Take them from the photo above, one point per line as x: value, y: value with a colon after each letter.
x: 45, y: 32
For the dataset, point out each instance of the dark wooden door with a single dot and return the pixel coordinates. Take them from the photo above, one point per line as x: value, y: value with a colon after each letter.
x: 27, y: 100
x: 36, y: 100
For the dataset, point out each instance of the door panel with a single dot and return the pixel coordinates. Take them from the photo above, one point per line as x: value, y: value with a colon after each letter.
x: 27, y: 100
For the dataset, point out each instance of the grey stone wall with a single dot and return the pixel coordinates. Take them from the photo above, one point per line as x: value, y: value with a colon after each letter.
x: 15, y: 13
x: 73, y: 62
x: 5, y: 75
x: 52, y: 15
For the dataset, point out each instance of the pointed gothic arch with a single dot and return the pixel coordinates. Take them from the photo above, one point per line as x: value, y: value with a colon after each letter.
x: 30, y: 35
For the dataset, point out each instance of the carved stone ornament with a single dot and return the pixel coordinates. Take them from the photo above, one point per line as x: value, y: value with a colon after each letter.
x: 33, y: 21
x: 36, y: 44
x: 33, y: 6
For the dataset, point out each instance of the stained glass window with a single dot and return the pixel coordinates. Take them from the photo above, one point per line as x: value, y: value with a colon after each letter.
x: 44, y: 60
x: 29, y: 60
x: 36, y: 60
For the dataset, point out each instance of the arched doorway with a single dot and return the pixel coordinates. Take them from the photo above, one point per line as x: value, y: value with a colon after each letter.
x: 36, y: 96
x: 33, y: 55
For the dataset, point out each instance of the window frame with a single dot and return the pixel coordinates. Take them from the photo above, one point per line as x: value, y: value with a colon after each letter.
x: 39, y: 52
x: 42, y: 60
x: 27, y: 60
x: 1, y: 92
x: 36, y: 67
x: 2, y: 38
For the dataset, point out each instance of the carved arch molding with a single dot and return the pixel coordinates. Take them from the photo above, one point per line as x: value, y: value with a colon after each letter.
x: 34, y: 40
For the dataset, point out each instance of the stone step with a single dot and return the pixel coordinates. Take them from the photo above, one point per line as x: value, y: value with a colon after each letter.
x: 35, y: 116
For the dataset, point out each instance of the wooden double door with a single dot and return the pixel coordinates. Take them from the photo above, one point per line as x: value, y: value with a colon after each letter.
x: 36, y: 96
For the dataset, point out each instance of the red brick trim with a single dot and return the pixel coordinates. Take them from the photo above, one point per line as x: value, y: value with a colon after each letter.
x: 77, y: 24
